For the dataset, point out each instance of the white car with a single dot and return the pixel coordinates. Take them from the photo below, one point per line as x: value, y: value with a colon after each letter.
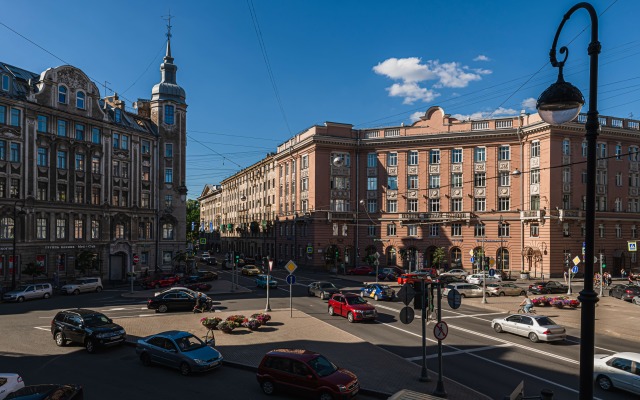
x: 9, y: 383
x: 636, y: 300
x: 465, y: 289
x: 619, y: 370
x: 458, y: 273
x: 535, y: 327
x: 83, y: 285
x: 28, y: 292
x: 477, y: 279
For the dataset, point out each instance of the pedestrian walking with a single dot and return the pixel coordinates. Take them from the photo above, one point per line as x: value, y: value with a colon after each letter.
x: 566, y: 277
x: 623, y: 273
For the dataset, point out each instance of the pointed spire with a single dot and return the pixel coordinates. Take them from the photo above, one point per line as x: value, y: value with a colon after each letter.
x: 167, y: 56
x: 168, y: 88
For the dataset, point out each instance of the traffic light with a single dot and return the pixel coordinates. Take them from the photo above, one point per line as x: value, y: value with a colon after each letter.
x: 337, y: 254
x: 485, y: 263
x: 237, y: 258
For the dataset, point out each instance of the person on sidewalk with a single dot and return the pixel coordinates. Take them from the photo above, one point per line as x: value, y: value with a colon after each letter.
x: 527, y: 303
x: 566, y: 277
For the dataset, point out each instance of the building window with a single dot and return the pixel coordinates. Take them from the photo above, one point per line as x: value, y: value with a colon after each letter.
x: 96, y: 136
x: 480, y: 154
x: 145, y: 147
x: 7, y: 228
x: 62, y: 160
x: 565, y: 229
x: 168, y: 201
x: 535, y: 176
x: 504, y: 229
x: 41, y: 194
x: 304, y: 184
x: 371, y: 230
x: 372, y: 205
x: 168, y: 150
x: 434, y: 181
x: 534, y: 202
x: 601, y: 203
x: 584, y: 149
x: 412, y: 181
x: 566, y: 147
x: 618, y: 231
x: 618, y: 152
x: 15, y: 117
x: 145, y: 200
x: 504, y: 153
x: 168, y: 175
x: 62, y: 95
x: 478, y: 230
x: 167, y: 256
x: 479, y: 179
x: 504, y: 204
x: 534, y: 230
x: 413, y: 158
x: 79, y: 195
x: 456, y: 205
x: 304, y: 163
x: 412, y: 230
x: 124, y: 170
x: 618, y: 204
x: 124, y: 145
x: 601, y: 177
x: 115, y: 198
x: 167, y: 231
x: 337, y: 182
x: 456, y: 156
x: 78, y: 229
x: 479, y: 204
x: 392, y: 160
x: 41, y: 228
x: 95, y: 229
x: 116, y: 141
x: 456, y: 180
x: 61, y: 228
x: 619, y: 179
x: 392, y: 206
x: 434, y: 205
x: 601, y: 230
x: 372, y: 183
x: 456, y: 229
x: 43, y: 157
x: 392, y: 182
x: 412, y: 205
x: 633, y: 153
x: 505, y: 178
x: 434, y: 156
x: 169, y: 115
x: 42, y: 123
x: 14, y: 152
x: 79, y: 132
x: 535, y: 149
x: 80, y: 100
x: 119, y: 231
x: 117, y: 114
x: 79, y: 162
x: 566, y: 201
x: 95, y: 196
x: 146, y: 173
x: 602, y: 149
x: 95, y: 164
x: 5, y: 82
x: 634, y: 232
x: 434, y: 230
x: 14, y: 189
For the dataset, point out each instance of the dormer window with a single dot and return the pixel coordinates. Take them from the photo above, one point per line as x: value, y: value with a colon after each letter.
x: 62, y: 95
x: 169, y: 115
x: 80, y: 100
x: 5, y: 83
x: 118, y: 115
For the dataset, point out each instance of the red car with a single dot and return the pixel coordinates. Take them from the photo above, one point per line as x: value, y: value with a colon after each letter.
x: 199, y: 286
x: 163, y: 281
x: 412, y: 278
x: 352, y: 306
x: 361, y: 270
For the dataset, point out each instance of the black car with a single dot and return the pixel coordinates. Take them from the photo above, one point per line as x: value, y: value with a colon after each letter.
x: 89, y: 328
x: 173, y: 300
x: 322, y: 289
x: 548, y: 287
x: 48, y: 392
x: 624, y: 292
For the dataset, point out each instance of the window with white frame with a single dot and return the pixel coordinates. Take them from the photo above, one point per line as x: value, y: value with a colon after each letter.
x: 304, y: 164
x: 41, y: 228
x: 504, y: 229
x: 61, y: 228
x: 62, y: 128
x: 456, y: 156
x: 391, y: 229
x: 371, y: 230
x: 618, y: 204
x: 566, y: 147
x: 480, y: 179
x: 5, y: 82
x: 504, y: 204
x: 584, y: 149
x: 304, y: 184
x: 565, y: 229
x: 602, y: 150
x: 392, y: 182
x: 412, y: 182
x: 119, y: 231
x: 95, y: 229
x: 168, y: 175
x: 15, y: 117
x: 566, y: 175
x: 634, y: 232
x: 619, y: 179
x: 535, y: 176
x: 633, y: 153
x: 124, y: 142
x: 601, y: 177
x: 412, y: 205
x: 601, y: 203
x: 372, y: 205
x: 434, y: 181
x: 534, y: 149
x: 456, y: 229
x: 392, y: 159
x: 62, y: 94
x: 618, y: 152
x: 478, y: 230
x: 372, y: 160
x: 480, y: 154
x: 434, y: 230
x: 534, y: 230
x: 434, y: 156
x: 618, y: 231
x: 78, y: 229
x: 392, y: 206
x: 412, y: 230
x: 434, y: 205
x: 167, y: 231
x: 413, y: 157
x: 504, y: 153
x: 479, y: 204
x: 456, y: 180
x: 634, y: 179
x: 505, y: 178
x: 566, y: 201
x: 601, y: 230
x: 456, y: 205
x: 534, y: 202
x: 80, y: 100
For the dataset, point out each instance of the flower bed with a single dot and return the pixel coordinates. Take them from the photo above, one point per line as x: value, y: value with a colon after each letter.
x: 226, y: 326
x: 237, y: 320
x: 251, y: 323
x: 564, y: 301
x: 262, y: 318
x: 542, y: 301
x: 210, y: 322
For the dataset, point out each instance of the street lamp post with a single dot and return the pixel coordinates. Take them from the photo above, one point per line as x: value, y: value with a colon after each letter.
x: 561, y: 103
x: 15, y: 235
x: 484, y: 276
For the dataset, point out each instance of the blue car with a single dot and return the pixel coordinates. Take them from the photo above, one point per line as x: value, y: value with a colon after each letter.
x: 378, y: 291
x: 261, y: 282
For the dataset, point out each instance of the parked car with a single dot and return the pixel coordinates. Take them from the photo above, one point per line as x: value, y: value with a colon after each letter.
x: 361, y: 270
x: 250, y: 270
x: 212, y: 261
x: 478, y: 278
x: 432, y: 272
x: 624, y: 292
x: 636, y: 300
x: 618, y: 370
x: 199, y: 286
x: 82, y: 285
x: 305, y: 373
x: 205, y: 256
x: 29, y: 292
x: 164, y: 280
x: 180, y: 350
x: 262, y: 280
x: 171, y: 301
x: 378, y: 291
x: 412, y: 278
x: 89, y: 328
x: 202, y: 276
x: 322, y: 289
x: 535, y: 327
x: 192, y: 292
x: 390, y: 273
x: 9, y: 383
x: 459, y: 273
x: 505, y: 289
x: 445, y: 280
x: 352, y: 306
x: 548, y: 287
x: 48, y: 392
x: 465, y: 289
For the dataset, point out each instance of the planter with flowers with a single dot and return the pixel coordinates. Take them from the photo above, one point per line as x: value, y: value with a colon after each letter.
x: 564, y: 301
x: 251, y: 324
x: 210, y: 322
x: 542, y: 301
x: 226, y: 326
x: 237, y: 320
x: 262, y: 318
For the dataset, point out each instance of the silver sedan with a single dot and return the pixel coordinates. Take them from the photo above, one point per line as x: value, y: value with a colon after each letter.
x: 505, y: 289
x: 536, y: 327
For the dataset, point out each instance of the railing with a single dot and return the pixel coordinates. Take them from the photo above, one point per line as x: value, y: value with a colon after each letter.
x: 478, y: 126
x: 504, y: 124
x: 392, y: 132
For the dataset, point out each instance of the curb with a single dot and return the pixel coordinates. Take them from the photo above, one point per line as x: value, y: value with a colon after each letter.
x: 245, y: 367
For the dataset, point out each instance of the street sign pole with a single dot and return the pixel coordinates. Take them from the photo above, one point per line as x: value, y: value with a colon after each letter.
x: 601, y: 277
x: 424, y: 377
x: 439, y: 391
x: 268, y: 307
x: 291, y: 300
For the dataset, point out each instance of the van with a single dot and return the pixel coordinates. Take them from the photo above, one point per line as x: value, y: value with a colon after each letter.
x: 28, y: 292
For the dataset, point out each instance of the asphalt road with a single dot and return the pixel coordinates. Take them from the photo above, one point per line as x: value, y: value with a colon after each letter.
x: 474, y: 354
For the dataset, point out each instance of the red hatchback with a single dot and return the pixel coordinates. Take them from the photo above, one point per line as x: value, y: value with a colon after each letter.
x: 361, y: 270
x: 163, y: 280
x: 305, y: 373
x: 352, y: 306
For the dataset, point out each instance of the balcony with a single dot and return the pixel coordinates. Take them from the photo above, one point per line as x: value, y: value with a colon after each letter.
x: 532, y: 215
x: 569, y: 215
x: 434, y: 217
x: 340, y: 216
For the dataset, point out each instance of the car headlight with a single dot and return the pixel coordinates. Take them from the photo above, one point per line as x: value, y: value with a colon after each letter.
x: 342, y: 388
x: 358, y: 311
x: 199, y: 361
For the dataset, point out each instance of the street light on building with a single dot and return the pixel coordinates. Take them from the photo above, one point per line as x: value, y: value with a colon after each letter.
x: 561, y: 103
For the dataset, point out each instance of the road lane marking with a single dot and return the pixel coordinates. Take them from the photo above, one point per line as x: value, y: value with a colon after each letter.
x: 453, y: 353
x: 43, y: 328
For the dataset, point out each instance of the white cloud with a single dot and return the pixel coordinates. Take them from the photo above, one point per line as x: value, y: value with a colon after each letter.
x: 416, y: 116
x: 486, y: 114
x: 412, y: 71
x: 529, y: 103
x: 481, y: 57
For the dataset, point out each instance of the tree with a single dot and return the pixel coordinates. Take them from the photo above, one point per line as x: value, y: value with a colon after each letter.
x: 439, y: 255
x: 193, y: 218
x: 85, y: 261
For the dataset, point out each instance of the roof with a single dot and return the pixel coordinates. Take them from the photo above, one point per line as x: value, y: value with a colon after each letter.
x: 82, y: 311
x: 174, y: 334
x: 299, y: 354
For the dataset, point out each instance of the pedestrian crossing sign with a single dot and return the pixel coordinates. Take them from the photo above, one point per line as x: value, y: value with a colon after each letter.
x: 632, y: 246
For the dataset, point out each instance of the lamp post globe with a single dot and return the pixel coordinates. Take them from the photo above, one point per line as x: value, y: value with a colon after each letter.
x: 560, y: 103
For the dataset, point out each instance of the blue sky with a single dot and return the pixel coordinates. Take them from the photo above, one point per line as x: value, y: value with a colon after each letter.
x: 368, y: 63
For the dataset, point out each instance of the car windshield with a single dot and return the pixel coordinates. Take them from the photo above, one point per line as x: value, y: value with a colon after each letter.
x: 21, y: 288
x: 545, y: 321
x: 96, y: 320
x: 384, y: 287
x: 327, y: 285
x: 322, y: 366
x: 189, y: 343
x: 355, y: 300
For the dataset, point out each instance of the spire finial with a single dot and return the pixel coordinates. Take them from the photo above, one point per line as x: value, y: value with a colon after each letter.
x: 168, y: 19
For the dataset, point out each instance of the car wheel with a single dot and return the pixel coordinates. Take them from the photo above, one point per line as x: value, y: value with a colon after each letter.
x: 350, y: 317
x: 185, y: 369
x: 534, y: 338
x: 20, y: 299
x: 523, y: 293
x: 90, y: 346
x: 462, y: 295
x: 162, y: 308
x: 323, y: 295
x: 60, y: 340
x: 362, y: 294
x: 325, y: 396
x: 76, y: 292
x: 146, y: 359
x: 99, y: 289
x: 331, y: 311
x: 497, y: 328
x: 376, y: 298
x: 604, y: 382
x: 501, y: 294
x: 46, y: 296
x: 267, y: 387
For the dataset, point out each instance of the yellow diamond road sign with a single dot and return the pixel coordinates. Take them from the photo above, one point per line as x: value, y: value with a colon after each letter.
x: 290, y: 266
x: 576, y: 260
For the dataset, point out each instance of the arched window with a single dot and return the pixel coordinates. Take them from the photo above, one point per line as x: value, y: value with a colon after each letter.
x: 167, y: 231
x: 80, y: 100
x: 502, y: 256
x: 169, y: 115
x: 6, y: 228
x: 392, y: 256
x: 456, y: 257
x: 119, y: 233
x: 62, y: 95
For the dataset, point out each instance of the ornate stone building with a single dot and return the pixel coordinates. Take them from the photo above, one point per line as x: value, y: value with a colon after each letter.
x: 84, y: 183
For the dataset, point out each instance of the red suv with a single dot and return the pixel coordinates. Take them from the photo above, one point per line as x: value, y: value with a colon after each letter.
x: 305, y: 373
x: 352, y: 306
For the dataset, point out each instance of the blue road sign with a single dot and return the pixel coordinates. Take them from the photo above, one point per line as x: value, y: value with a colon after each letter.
x: 492, y: 272
x: 291, y: 279
x: 454, y: 299
x: 472, y: 259
x: 574, y: 269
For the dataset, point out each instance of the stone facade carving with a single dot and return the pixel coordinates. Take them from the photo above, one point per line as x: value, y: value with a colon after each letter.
x: 372, y: 171
x: 566, y: 188
x: 392, y: 170
x: 504, y: 166
x: 480, y: 167
x: 412, y: 169
x: 534, y: 162
x: 392, y: 194
x: 72, y: 78
x: 434, y: 193
x: 412, y: 194
x: 504, y: 191
x: 479, y: 192
x: 534, y: 189
x: 456, y: 193
x: 456, y: 167
x: 434, y: 169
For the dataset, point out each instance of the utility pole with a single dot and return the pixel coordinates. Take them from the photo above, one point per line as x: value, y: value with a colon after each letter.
x: 601, y: 277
